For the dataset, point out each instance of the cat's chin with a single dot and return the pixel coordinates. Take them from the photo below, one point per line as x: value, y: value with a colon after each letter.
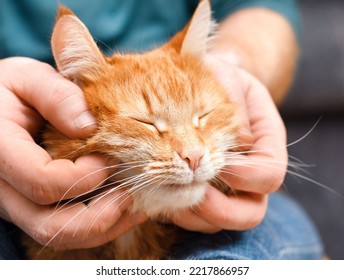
x: 166, y: 200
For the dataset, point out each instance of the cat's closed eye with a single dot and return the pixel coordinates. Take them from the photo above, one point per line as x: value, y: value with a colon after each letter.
x: 155, y: 126
x: 200, y: 120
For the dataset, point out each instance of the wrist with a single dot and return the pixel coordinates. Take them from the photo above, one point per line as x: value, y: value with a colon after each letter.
x: 263, y: 43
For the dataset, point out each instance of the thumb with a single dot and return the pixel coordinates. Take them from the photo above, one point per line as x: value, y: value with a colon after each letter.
x: 229, y: 77
x: 57, y: 99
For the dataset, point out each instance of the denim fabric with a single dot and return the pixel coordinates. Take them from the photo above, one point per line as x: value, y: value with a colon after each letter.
x: 285, y: 233
x: 8, y: 250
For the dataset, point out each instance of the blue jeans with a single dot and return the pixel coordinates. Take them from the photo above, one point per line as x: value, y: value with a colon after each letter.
x: 285, y: 233
x: 8, y: 250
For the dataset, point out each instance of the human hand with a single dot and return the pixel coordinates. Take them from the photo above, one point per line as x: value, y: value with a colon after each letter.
x: 30, y: 181
x: 256, y: 170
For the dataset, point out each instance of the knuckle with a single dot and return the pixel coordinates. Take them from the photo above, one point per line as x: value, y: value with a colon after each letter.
x: 277, y: 183
x: 62, y: 102
x: 100, y: 227
x: 42, y: 193
x: 61, y: 95
x: 255, y: 220
x: 44, y: 236
x: 101, y: 223
x: 50, y: 238
x: 272, y: 182
x: 221, y: 220
x: 211, y: 230
x: 63, y: 91
x: 27, y: 64
x: 9, y: 67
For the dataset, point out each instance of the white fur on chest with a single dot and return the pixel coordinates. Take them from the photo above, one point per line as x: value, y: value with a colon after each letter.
x: 163, y: 201
x: 166, y: 200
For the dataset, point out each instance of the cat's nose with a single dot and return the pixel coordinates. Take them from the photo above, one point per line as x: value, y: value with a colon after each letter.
x: 192, y: 156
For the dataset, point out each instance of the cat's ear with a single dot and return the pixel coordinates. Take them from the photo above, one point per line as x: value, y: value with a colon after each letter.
x: 76, y: 54
x: 194, y: 38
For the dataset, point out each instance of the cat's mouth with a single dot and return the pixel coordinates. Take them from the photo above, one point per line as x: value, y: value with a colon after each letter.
x: 226, y: 189
x: 191, y: 185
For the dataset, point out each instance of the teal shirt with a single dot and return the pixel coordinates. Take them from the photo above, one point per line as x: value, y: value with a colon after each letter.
x: 116, y: 25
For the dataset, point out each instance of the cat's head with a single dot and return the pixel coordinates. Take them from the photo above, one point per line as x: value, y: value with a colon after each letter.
x: 162, y: 114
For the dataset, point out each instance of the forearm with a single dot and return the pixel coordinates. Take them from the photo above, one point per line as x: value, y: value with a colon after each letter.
x: 262, y: 42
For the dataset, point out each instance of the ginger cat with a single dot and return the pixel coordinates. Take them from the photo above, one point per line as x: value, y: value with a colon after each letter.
x: 161, y: 114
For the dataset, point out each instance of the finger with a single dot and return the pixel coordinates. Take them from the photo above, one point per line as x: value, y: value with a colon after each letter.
x: 58, y: 100
x: 229, y: 77
x: 263, y: 167
x: 12, y: 109
x: 190, y: 220
x: 244, y: 136
x: 75, y: 225
x: 85, y: 226
x: 124, y: 224
x: 29, y: 168
x: 102, y: 220
x: 240, y: 211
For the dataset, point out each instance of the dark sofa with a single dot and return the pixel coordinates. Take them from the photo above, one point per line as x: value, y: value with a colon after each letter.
x: 318, y: 93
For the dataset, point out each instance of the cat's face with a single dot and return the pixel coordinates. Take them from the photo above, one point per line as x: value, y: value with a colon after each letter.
x: 166, y: 116
x: 162, y: 114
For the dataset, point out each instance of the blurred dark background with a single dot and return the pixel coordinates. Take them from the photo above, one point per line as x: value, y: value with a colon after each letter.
x: 318, y: 93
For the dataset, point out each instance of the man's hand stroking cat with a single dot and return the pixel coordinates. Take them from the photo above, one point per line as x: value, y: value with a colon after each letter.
x: 30, y: 181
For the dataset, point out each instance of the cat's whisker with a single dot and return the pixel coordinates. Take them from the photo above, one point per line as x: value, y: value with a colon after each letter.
x: 220, y: 179
x: 134, y: 181
x: 137, y: 187
x: 280, y: 165
x: 100, y: 184
x: 69, y: 204
x: 124, y: 194
x: 78, y: 181
x: 259, y: 164
x: 71, y: 220
x: 306, y: 134
x: 62, y: 229
x: 233, y: 147
x: 314, y: 182
x: 226, y: 171
x: 104, y: 44
x: 126, y: 183
x: 117, y: 174
x: 160, y: 181
x: 83, y: 178
x: 134, y: 188
x: 231, y: 160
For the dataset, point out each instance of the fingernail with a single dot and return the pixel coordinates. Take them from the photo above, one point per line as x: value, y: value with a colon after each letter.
x: 85, y: 119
